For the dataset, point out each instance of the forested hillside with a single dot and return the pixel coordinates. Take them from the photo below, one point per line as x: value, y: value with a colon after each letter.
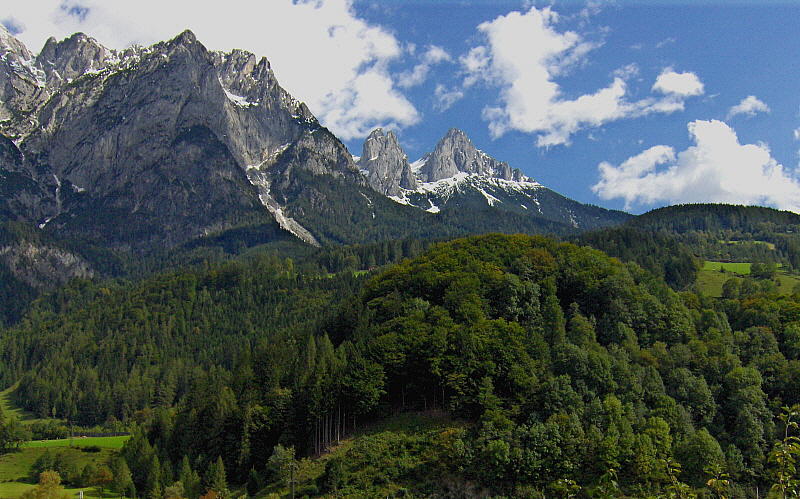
x: 729, y: 232
x: 561, y: 368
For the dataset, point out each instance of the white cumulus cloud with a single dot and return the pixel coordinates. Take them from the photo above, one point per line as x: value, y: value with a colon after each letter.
x: 417, y: 75
x: 750, y: 106
x: 684, y: 84
x: 525, y: 53
x: 717, y: 168
x: 320, y: 50
x: 445, y: 97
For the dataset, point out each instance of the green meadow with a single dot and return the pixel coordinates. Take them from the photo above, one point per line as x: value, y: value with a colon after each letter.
x: 102, y: 442
x: 711, y: 277
x: 741, y: 268
x: 16, y: 468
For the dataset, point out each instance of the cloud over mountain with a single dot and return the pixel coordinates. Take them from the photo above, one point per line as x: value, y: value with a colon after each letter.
x: 306, y: 41
x: 523, y: 56
x: 718, y: 168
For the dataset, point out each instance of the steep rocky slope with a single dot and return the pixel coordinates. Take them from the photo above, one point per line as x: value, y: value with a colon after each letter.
x: 459, y: 176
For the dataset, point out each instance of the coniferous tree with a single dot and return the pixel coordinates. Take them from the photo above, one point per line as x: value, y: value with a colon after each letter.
x: 215, y: 478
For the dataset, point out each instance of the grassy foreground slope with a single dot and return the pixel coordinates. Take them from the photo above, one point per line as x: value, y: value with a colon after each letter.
x: 17, y: 468
x: 12, y: 410
x: 389, y: 458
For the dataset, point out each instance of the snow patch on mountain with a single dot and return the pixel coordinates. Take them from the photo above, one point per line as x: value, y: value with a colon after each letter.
x: 261, y: 182
x: 491, y: 200
x: 462, y: 182
x: 237, y: 99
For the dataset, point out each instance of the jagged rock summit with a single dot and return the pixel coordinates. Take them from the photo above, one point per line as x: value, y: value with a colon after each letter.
x: 385, y: 164
x: 455, y: 154
x: 458, y: 175
x: 172, y: 139
x: 153, y: 147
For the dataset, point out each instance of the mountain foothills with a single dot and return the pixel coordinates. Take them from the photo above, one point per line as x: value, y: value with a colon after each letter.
x: 544, y: 366
x: 188, y: 256
x: 107, y: 155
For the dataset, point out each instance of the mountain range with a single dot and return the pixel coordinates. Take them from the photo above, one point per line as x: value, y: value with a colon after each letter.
x: 151, y: 147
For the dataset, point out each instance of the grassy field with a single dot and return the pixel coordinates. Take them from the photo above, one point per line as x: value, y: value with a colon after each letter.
x: 11, y: 410
x: 102, y: 442
x: 740, y: 268
x: 769, y: 245
x: 13, y: 490
x: 710, y: 279
x: 16, y: 469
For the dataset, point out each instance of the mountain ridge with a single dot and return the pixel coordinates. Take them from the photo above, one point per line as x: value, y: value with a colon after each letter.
x: 151, y: 147
x: 458, y: 174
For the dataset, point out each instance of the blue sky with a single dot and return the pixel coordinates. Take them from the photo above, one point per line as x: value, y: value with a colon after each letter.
x: 623, y: 104
x: 735, y: 51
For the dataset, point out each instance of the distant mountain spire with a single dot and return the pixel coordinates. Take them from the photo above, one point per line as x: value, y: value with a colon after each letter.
x: 386, y: 163
x: 456, y: 153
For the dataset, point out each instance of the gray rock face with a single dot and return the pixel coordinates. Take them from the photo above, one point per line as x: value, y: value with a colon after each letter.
x: 386, y: 164
x: 64, y: 61
x: 43, y: 267
x: 21, y: 81
x: 387, y: 169
x: 152, y: 146
x: 440, y: 183
x: 455, y: 153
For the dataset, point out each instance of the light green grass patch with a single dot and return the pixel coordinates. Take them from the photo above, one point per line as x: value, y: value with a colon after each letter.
x: 12, y: 410
x: 710, y: 280
x: 16, y: 468
x: 103, y: 442
x: 769, y: 245
x: 787, y: 283
x: 741, y: 268
x: 12, y: 490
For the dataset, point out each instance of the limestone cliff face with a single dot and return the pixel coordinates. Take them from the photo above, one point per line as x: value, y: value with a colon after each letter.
x: 457, y: 176
x: 62, y: 62
x: 21, y: 80
x: 43, y: 267
x: 151, y: 146
x: 386, y: 164
x: 455, y: 153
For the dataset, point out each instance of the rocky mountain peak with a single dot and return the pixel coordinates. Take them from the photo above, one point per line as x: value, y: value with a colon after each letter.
x: 186, y: 37
x: 72, y: 57
x: 21, y: 81
x: 386, y: 163
x: 174, y: 139
x: 455, y: 134
x: 9, y: 43
x: 455, y: 153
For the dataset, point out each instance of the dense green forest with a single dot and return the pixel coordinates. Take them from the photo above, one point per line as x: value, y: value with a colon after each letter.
x: 669, y: 242
x: 558, y: 370
x: 729, y: 232
x: 566, y: 368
